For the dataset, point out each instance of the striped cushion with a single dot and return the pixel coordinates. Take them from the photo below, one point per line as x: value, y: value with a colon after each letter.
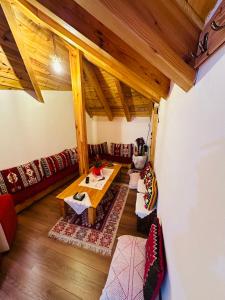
x: 123, y: 150
x: 54, y: 163
x: 72, y: 155
x: 97, y: 149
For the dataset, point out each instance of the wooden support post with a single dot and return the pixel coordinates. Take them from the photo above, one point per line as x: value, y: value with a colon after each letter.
x: 154, y: 126
x: 76, y: 69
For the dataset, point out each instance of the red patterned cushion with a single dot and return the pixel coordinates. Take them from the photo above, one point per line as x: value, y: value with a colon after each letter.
x: 54, y: 163
x: 146, y: 169
x: 72, y: 156
x: 152, y: 193
x: 18, y: 178
x: 99, y: 149
x: 123, y: 150
x: 155, y: 261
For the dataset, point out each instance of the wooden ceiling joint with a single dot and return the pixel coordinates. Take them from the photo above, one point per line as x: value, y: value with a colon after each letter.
x: 123, y: 100
x: 11, y: 19
x: 99, y: 45
x: 89, y: 70
x: 160, y: 31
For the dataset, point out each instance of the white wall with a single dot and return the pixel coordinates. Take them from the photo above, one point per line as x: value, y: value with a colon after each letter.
x: 190, y: 167
x: 118, y: 130
x: 29, y: 129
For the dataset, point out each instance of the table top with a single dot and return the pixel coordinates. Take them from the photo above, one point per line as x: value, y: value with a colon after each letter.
x: 94, y: 194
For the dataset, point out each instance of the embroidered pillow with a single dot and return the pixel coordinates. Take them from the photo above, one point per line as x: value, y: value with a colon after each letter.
x: 72, y: 156
x: 103, y: 148
x: 155, y: 261
x: 151, y: 195
x: 115, y: 149
x: 99, y: 149
x: 146, y: 169
x: 124, y: 150
x: 18, y: 178
x: 55, y: 163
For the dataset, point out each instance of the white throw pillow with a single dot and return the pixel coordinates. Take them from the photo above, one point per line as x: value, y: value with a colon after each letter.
x: 141, y: 188
x: 140, y: 209
x: 134, y: 177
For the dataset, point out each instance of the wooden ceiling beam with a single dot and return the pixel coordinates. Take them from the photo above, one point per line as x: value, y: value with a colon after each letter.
x: 99, y: 45
x: 159, y: 31
x: 123, y: 101
x: 190, y: 13
x: 11, y: 19
x: 90, y: 73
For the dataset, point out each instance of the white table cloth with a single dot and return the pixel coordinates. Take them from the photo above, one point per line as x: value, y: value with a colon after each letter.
x: 78, y: 206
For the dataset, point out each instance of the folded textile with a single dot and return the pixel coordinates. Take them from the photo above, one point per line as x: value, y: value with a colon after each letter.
x: 78, y: 206
x: 141, y: 188
x: 140, y: 209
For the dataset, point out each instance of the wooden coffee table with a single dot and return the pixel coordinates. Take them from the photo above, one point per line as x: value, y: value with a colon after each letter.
x: 95, y: 195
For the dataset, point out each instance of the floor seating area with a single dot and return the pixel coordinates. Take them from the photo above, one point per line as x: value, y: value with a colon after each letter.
x: 21, y: 186
x: 29, y: 182
x: 138, y: 266
x: 137, y: 262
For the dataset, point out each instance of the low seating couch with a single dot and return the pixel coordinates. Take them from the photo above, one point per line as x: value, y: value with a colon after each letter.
x: 120, y: 153
x: 29, y: 182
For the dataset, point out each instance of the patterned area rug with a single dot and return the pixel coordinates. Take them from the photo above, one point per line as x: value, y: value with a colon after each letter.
x: 75, y: 230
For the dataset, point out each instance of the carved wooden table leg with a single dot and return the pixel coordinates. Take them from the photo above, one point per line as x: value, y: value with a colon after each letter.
x: 91, y: 215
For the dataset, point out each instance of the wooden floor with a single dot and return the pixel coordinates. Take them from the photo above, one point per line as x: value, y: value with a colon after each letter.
x: 40, y: 268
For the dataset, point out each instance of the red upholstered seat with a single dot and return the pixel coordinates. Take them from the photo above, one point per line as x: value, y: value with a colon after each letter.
x: 8, y: 218
x: 21, y: 196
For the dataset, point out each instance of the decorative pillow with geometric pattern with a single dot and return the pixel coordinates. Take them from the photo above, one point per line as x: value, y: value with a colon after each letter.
x: 72, y: 155
x: 18, y: 178
x: 152, y: 194
x: 155, y: 261
x: 147, y: 168
x: 97, y: 149
x: 123, y: 150
x: 54, y: 163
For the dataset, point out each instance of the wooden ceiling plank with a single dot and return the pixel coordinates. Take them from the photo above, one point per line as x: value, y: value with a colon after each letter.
x: 124, y: 63
x: 11, y: 19
x: 134, y: 22
x: 190, y: 13
x: 90, y: 73
x: 123, y: 101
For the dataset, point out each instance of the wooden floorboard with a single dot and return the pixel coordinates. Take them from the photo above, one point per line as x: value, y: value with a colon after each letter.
x: 40, y: 268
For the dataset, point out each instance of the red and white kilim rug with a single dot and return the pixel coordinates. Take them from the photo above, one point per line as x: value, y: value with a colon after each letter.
x: 100, y: 237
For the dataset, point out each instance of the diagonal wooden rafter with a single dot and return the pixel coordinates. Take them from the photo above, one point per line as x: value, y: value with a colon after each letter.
x: 90, y: 73
x: 123, y: 62
x: 122, y: 99
x: 11, y: 19
x: 156, y: 29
